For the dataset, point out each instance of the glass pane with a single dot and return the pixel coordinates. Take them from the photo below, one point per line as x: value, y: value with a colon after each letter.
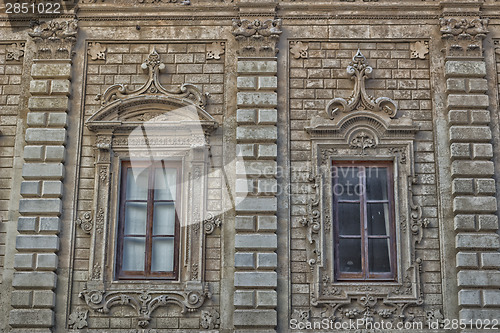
x: 135, y: 218
x: 347, y: 185
x: 165, y: 183
x: 137, y: 183
x: 350, y: 255
x: 376, y: 183
x: 349, y: 219
x: 164, y: 218
x: 378, y: 219
x: 134, y: 249
x: 162, y: 259
x: 379, y: 255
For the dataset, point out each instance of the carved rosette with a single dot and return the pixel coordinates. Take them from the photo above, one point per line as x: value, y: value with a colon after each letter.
x: 211, y: 223
x: 299, y: 50
x: 210, y: 319
x: 257, y: 37
x: 419, y: 49
x: 85, y: 222
x: 54, y: 39
x: 78, y: 319
x: 14, y: 52
x: 215, y: 50
x: 145, y: 302
x: 464, y: 36
x: 97, y: 51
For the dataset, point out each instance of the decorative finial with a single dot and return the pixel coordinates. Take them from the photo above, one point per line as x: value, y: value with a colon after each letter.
x: 153, y: 61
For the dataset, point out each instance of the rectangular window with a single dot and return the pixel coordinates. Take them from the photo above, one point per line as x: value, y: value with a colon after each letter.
x: 148, y: 244
x: 364, y: 232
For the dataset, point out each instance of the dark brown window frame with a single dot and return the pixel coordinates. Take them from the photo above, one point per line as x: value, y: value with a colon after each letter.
x: 147, y: 274
x: 366, y: 275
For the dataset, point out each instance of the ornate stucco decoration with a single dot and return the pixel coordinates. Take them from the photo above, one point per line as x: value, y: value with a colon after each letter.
x: 464, y: 36
x: 85, y: 222
x: 211, y: 223
x: 78, y: 319
x: 359, y: 99
x: 97, y: 51
x: 14, y: 52
x: 299, y: 50
x: 419, y: 49
x: 215, y: 50
x: 146, y: 301
x: 210, y: 319
x: 257, y: 38
x: 54, y: 39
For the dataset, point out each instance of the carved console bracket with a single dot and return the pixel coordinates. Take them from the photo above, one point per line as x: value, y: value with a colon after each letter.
x: 359, y: 99
x: 257, y: 38
x: 145, y: 302
x: 464, y: 36
x: 54, y: 39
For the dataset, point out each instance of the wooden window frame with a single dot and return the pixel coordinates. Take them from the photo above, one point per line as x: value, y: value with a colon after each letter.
x: 365, y: 274
x: 147, y: 274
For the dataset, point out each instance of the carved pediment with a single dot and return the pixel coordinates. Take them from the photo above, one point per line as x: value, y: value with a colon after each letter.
x: 124, y: 108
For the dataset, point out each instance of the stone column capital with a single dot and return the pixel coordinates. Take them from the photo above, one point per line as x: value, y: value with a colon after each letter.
x: 463, y: 36
x: 54, y: 39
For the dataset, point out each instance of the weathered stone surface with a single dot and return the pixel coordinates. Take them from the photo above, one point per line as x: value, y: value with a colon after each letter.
x: 48, y: 70
x: 40, y: 206
x: 256, y: 241
x: 474, y: 204
x: 29, y: 280
x: 472, y: 168
x: 477, y: 278
x: 481, y: 241
x: 257, y: 67
x: 31, y: 318
x: 255, y: 318
x: 253, y: 204
x: 37, y: 243
x: 43, y: 171
x: 265, y: 99
x: 470, y: 133
x: 255, y: 279
x: 46, y: 135
x: 465, y: 68
x: 38, y: 103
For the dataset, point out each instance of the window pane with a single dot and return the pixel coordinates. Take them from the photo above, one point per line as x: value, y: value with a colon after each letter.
x: 378, y: 219
x: 379, y: 255
x: 349, y: 219
x: 135, y: 218
x: 376, y: 183
x: 164, y: 218
x: 134, y: 249
x: 347, y: 184
x: 350, y: 255
x: 162, y: 259
x: 165, y: 183
x: 137, y: 183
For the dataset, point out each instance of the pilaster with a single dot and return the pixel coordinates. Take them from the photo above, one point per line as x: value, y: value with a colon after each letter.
x: 37, y: 244
x: 255, y: 277
x: 472, y: 169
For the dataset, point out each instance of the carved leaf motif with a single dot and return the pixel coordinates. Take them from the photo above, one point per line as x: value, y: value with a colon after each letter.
x: 14, y: 51
x: 363, y: 140
x: 55, y: 38
x: 97, y: 51
x: 85, y: 222
x: 419, y: 49
x: 78, y: 319
x: 215, y: 50
x: 299, y: 50
x: 210, y: 319
x: 211, y: 223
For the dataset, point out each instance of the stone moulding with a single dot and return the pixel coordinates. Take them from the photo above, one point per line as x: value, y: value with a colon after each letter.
x: 359, y: 99
x: 146, y: 301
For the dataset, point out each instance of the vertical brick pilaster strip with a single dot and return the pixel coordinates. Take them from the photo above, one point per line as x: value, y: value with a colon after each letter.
x: 255, y: 277
x: 36, y: 261
x: 472, y: 171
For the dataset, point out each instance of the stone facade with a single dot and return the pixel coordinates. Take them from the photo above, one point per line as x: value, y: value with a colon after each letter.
x: 256, y: 99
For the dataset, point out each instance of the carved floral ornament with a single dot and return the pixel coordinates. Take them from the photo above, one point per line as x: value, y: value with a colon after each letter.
x: 464, y: 35
x: 54, y: 39
x: 97, y: 51
x: 257, y: 37
x: 14, y: 52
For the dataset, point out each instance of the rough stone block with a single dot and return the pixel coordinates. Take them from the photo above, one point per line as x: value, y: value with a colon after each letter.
x: 485, y: 186
x: 246, y: 116
x: 475, y: 278
x: 469, y: 298
x: 244, y: 260
x: 60, y: 87
x: 32, y: 153
x: 256, y: 204
x: 58, y: 119
x: 256, y: 241
x: 465, y: 259
x: 51, y: 70
x: 26, y: 224
x: 257, y: 67
x: 246, y: 82
x: 55, y: 154
x: 21, y: 298
x: 24, y: 261
x: 256, y: 168
x: 267, y: 82
x: 468, y: 101
x: 49, y: 224
x: 266, y: 151
x: 267, y: 298
x: 39, y: 103
x: 267, y: 185
x: 256, y: 133
x: 34, y: 280
x: 463, y: 186
x: 244, y: 298
x: 267, y: 116
x: 43, y: 171
x: 36, y: 119
x: 30, y: 188
x: 55, y: 136
x: 482, y: 151
x: 40, y: 206
x: 490, y: 260
x: 267, y: 260
x: 256, y: 279
x: 245, y: 150
x: 267, y: 223
x: 52, y: 189
x: 491, y: 298
x: 46, y: 261
x: 44, y: 298
x: 244, y: 186
x: 481, y: 314
x: 255, y: 318
x: 477, y: 241
x: 39, y: 87
x: 472, y: 168
x: 268, y: 99
x: 455, y: 84
x: 465, y: 69
x: 474, y: 204
x: 37, y: 243
x: 470, y: 133
x: 459, y: 117
x: 480, y: 117
x: 31, y: 318
x: 245, y: 223
x: 478, y: 85
x: 460, y: 150
x: 487, y: 222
